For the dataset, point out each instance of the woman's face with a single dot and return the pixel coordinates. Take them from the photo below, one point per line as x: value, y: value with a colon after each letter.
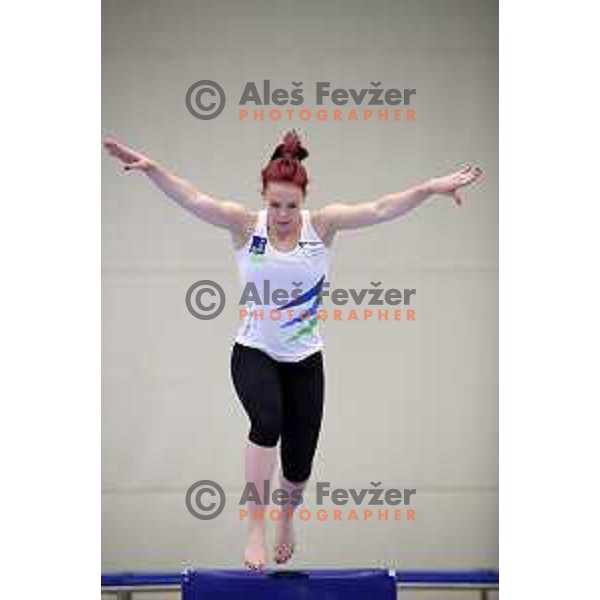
x: 283, y: 202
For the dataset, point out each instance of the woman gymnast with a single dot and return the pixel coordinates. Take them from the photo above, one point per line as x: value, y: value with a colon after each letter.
x: 277, y: 365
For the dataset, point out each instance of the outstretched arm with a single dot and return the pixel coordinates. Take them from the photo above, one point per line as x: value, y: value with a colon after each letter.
x: 335, y: 217
x: 222, y: 213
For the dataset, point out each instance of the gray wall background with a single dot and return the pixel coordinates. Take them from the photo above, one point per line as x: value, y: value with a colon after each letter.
x: 411, y: 405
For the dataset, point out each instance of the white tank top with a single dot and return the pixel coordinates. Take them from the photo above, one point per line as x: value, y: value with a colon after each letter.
x: 301, y: 272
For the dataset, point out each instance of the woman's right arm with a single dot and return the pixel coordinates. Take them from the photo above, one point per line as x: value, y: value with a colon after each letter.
x: 222, y: 213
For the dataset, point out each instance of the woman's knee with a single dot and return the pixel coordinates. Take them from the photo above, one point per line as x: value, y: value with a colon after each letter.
x: 265, y: 431
x: 297, y: 470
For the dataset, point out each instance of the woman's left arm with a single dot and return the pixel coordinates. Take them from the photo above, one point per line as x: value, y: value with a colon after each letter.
x: 335, y: 217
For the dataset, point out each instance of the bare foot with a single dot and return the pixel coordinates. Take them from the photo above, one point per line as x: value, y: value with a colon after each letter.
x: 255, y: 553
x: 284, y: 547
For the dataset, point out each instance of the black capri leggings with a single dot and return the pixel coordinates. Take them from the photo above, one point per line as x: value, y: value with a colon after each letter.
x: 283, y: 400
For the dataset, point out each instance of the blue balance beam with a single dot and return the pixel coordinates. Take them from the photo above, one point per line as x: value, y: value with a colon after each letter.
x: 125, y: 583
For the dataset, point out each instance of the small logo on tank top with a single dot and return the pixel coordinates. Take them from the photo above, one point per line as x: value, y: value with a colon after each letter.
x: 258, y: 245
x: 311, y: 247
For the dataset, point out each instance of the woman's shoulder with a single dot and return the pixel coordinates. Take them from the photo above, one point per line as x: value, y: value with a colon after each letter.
x: 319, y: 226
x: 242, y: 237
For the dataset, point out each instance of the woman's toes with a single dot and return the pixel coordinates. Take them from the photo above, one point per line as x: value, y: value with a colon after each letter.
x: 283, y: 553
x: 255, y: 556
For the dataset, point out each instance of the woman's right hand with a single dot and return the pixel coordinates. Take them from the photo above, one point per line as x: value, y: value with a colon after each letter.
x: 222, y: 213
x: 128, y: 156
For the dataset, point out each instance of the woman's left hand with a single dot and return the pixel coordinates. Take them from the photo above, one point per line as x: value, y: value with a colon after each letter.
x: 450, y: 184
